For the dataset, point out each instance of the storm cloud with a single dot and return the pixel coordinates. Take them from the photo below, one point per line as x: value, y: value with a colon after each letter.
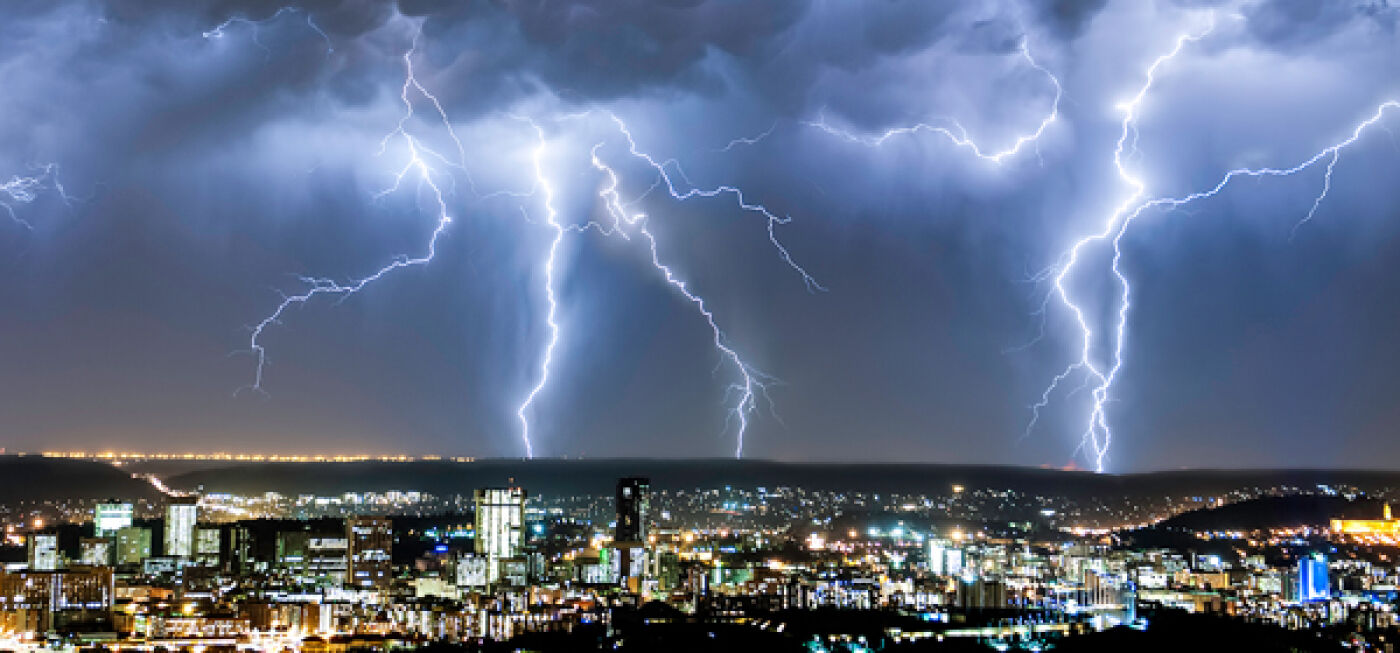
x: 215, y: 153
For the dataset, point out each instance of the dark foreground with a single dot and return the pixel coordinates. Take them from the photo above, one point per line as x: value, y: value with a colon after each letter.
x: 1166, y: 631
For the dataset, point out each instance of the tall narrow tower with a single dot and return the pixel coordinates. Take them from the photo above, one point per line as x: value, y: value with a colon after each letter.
x: 181, y: 514
x: 633, y: 506
x: 500, y: 526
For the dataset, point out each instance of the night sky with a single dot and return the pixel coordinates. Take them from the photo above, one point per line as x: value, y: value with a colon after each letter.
x: 176, y: 169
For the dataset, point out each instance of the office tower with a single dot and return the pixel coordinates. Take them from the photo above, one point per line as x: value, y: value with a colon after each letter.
x: 133, y: 545
x: 43, y: 552
x: 95, y: 551
x: 42, y: 599
x: 471, y: 571
x: 180, y: 516
x: 980, y: 594
x: 369, y: 541
x: 206, y: 545
x: 944, y: 559
x: 312, y: 558
x: 1312, y: 579
x: 954, y: 564
x: 500, y: 523
x: 110, y: 517
x: 633, y: 506
x: 630, y: 535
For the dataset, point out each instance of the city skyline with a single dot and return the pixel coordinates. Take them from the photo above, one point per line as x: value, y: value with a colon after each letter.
x: 1224, y: 562
x: 1109, y: 236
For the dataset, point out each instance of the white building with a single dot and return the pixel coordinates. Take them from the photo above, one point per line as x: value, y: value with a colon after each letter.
x: 43, y: 552
x: 108, y: 518
x: 180, y: 517
x: 500, y: 526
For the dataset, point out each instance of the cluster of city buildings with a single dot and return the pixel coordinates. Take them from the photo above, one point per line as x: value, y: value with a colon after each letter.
x: 198, y: 575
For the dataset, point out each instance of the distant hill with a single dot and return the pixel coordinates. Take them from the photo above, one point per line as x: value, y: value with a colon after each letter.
x: 1274, y: 512
x: 565, y: 477
x: 34, y: 478
x: 571, y: 477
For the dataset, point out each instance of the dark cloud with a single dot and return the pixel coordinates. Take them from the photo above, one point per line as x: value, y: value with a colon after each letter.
x: 1068, y: 18
x: 1289, y: 24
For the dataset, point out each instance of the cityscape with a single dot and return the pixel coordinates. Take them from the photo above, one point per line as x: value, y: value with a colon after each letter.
x: 823, y: 326
x: 641, y: 564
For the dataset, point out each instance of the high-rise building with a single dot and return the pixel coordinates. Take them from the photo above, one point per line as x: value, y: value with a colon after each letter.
x: 1312, y: 579
x: 500, y: 526
x: 633, y: 506
x: 630, y: 533
x: 43, y: 552
x: 312, y: 558
x: 110, y: 517
x: 95, y: 551
x: 980, y: 594
x: 80, y: 593
x: 180, y: 517
x: 944, y: 559
x: 133, y: 545
x: 471, y: 571
x: 369, y: 541
x: 206, y: 545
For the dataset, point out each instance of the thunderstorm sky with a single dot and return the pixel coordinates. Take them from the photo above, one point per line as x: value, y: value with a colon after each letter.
x: 173, y: 171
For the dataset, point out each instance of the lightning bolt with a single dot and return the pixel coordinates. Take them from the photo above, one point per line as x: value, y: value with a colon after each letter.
x: 551, y: 320
x: 422, y: 164
x: 24, y: 189
x: 752, y: 382
x: 744, y: 141
x: 417, y: 163
x: 1098, y: 434
x: 218, y: 31
x: 952, y: 129
x: 692, y: 191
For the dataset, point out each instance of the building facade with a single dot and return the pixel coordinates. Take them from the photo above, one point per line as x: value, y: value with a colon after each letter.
x: 500, y: 526
x: 369, y: 540
x: 133, y: 545
x: 633, y: 508
x: 43, y: 552
x: 181, y: 515
x: 110, y: 517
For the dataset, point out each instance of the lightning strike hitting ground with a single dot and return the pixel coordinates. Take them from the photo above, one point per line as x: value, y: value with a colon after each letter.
x: 1098, y: 434
x: 551, y: 219
x: 752, y: 383
x: 420, y: 164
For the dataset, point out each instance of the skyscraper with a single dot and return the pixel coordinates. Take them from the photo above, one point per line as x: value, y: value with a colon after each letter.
x: 633, y: 506
x: 369, y: 542
x: 630, y: 534
x: 43, y: 552
x: 500, y: 526
x: 1312, y: 579
x: 207, y: 542
x: 95, y: 551
x: 110, y: 517
x: 133, y: 545
x: 181, y: 514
